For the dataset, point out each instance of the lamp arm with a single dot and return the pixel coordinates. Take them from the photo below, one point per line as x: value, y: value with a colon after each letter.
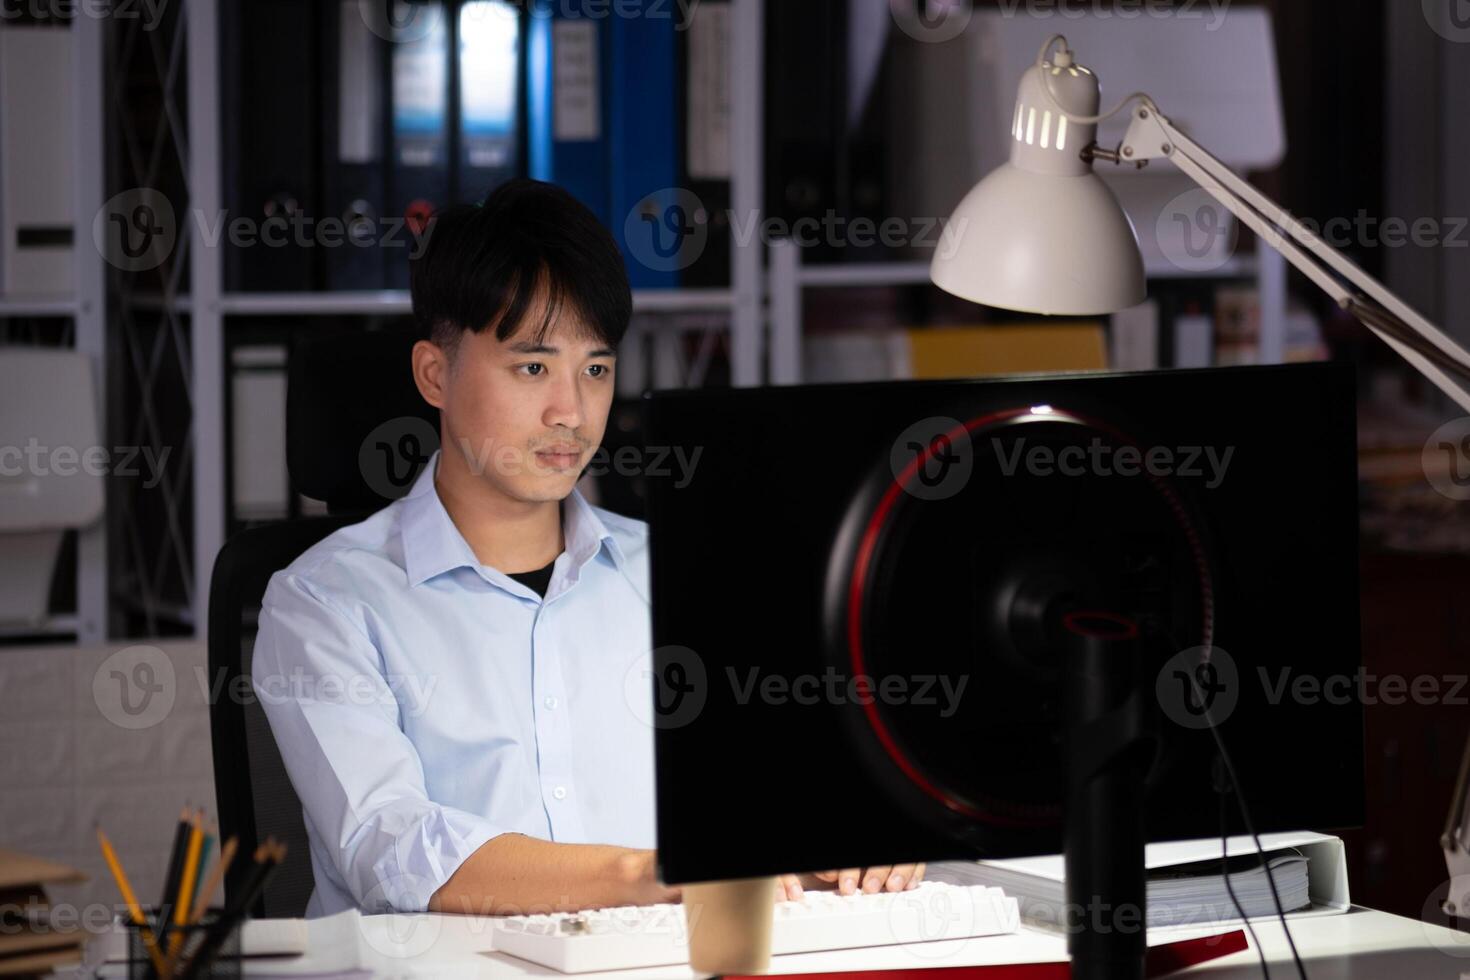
x: 1456, y: 843
x: 1430, y: 350
x: 1419, y: 341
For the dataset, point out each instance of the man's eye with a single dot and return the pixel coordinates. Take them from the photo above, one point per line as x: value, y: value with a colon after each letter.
x: 599, y: 370
x: 533, y: 369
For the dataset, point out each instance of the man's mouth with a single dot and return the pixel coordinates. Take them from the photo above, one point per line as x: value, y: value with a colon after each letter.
x: 559, y: 457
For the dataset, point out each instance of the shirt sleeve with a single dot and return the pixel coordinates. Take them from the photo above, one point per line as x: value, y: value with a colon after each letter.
x: 336, y: 720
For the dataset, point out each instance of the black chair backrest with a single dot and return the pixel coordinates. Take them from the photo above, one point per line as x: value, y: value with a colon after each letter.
x: 357, y: 429
x: 252, y: 790
x: 357, y: 434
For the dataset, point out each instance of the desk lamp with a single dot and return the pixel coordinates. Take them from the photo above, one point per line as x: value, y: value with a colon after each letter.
x: 1044, y: 234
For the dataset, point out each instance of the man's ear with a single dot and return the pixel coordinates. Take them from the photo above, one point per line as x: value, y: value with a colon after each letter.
x: 431, y: 372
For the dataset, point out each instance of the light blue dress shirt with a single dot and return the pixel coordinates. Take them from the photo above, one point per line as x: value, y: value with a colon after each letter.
x: 425, y: 703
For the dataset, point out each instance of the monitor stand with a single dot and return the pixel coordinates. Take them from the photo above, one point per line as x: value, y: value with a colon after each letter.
x: 1109, y: 752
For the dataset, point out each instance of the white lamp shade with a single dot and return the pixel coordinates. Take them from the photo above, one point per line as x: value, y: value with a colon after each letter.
x: 1043, y: 233
x: 1041, y: 243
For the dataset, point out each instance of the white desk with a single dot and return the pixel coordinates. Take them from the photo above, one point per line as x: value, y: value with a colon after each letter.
x: 1361, y: 944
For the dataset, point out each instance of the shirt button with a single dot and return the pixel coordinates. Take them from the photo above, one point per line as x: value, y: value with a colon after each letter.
x: 550, y: 702
x: 560, y: 792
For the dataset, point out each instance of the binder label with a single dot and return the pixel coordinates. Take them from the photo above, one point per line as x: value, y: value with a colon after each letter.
x: 577, y: 111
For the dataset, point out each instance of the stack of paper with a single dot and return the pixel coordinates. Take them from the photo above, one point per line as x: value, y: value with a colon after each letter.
x: 32, y: 941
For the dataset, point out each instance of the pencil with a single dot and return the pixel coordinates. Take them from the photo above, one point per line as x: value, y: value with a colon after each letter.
x: 208, y: 845
x: 182, y: 904
x: 268, y: 857
x: 135, y: 911
x: 206, y: 892
x: 175, y: 869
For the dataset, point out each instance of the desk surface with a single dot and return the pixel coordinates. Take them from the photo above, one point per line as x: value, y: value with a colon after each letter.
x: 1361, y: 944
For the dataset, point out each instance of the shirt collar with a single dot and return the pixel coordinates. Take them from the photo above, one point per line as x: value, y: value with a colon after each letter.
x: 433, y: 545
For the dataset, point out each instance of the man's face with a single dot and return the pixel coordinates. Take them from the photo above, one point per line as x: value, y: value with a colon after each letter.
x: 527, y: 415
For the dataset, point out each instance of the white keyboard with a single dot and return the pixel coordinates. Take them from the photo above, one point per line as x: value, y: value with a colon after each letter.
x: 655, y: 935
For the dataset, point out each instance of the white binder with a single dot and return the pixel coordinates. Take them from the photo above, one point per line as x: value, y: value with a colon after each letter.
x: 1040, y: 884
x: 36, y: 185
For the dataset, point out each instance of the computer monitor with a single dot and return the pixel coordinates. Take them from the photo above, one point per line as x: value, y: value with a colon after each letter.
x: 928, y: 536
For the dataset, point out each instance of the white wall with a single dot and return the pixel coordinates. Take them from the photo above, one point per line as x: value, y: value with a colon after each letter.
x: 83, y: 743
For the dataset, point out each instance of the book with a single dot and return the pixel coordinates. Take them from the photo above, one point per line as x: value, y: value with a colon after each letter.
x: 31, y: 942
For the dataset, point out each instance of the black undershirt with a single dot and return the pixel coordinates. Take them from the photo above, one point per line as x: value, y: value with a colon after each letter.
x: 536, y: 581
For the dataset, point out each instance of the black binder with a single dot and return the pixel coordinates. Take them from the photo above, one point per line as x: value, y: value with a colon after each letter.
x: 270, y: 94
x: 419, y: 172
x: 704, y: 157
x: 353, y: 136
x: 805, y: 102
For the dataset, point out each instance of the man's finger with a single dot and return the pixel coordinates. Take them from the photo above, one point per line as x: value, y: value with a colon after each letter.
x: 788, y: 888
x: 899, y: 877
x: 847, y: 881
x: 874, y: 878
x: 917, y: 877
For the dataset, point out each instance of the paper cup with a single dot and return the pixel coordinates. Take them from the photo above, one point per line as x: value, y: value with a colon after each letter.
x: 730, y: 925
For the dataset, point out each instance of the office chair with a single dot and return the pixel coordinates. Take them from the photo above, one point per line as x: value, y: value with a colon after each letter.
x: 355, y: 438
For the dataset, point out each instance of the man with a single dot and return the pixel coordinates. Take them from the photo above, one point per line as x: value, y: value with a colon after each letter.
x: 445, y: 679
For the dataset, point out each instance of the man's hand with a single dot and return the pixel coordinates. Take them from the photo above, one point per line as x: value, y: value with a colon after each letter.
x: 893, y: 878
x: 640, y: 876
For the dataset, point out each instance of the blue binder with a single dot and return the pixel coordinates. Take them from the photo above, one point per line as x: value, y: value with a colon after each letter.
x: 566, y: 88
x: 649, y: 217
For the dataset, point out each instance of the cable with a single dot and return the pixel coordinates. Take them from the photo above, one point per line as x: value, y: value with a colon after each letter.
x: 1143, y: 97
x: 1249, y: 826
x: 1251, y: 829
x: 1225, y: 873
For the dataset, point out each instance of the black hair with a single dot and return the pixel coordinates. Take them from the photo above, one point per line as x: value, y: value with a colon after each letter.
x: 482, y: 264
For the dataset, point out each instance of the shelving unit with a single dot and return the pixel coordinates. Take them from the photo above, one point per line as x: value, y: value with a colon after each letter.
x: 189, y: 315
x: 87, y: 309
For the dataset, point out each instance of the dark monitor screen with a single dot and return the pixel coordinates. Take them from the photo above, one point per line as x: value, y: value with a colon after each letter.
x: 852, y: 586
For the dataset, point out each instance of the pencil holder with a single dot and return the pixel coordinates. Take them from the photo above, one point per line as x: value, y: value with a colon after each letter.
x: 200, y: 950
